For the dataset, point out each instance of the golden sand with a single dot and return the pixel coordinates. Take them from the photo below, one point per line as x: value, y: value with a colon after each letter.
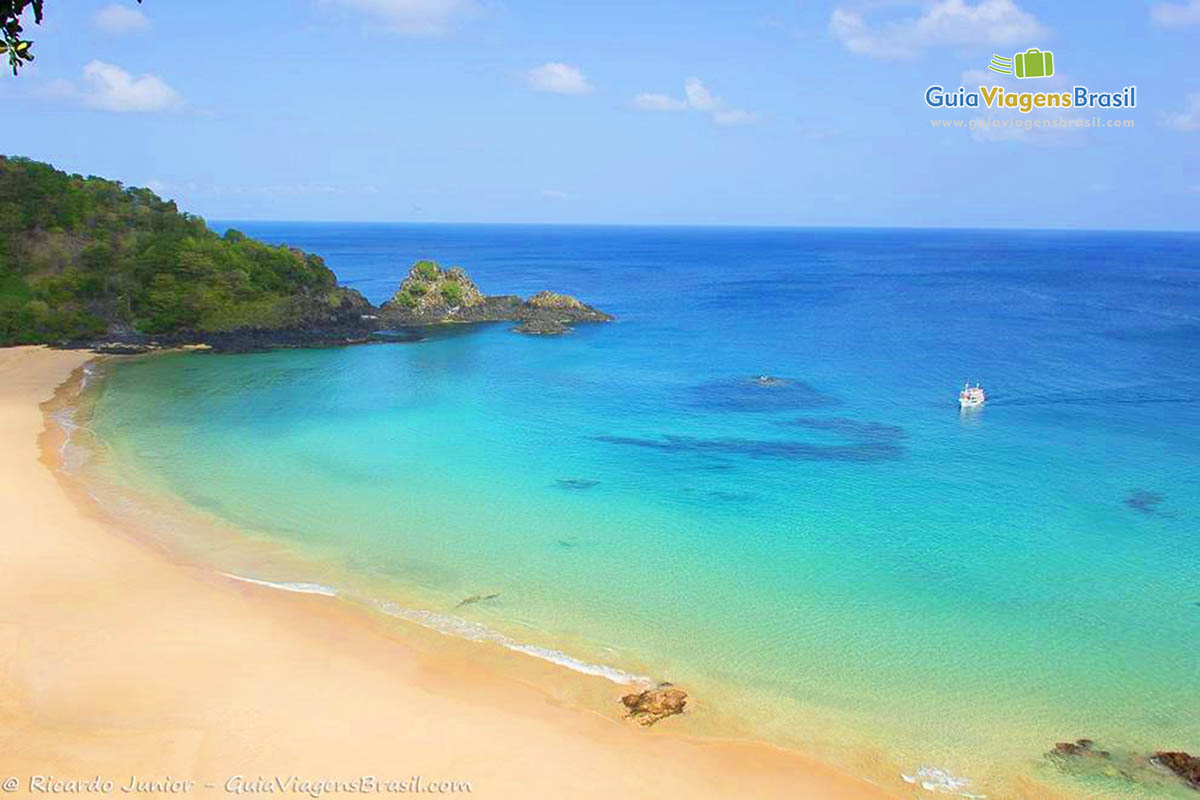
x: 121, y: 664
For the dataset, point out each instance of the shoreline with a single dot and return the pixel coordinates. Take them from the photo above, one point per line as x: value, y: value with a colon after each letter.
x: 120, y: 660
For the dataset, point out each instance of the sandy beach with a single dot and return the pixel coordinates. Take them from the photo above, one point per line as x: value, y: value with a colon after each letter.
x: 118, y: 662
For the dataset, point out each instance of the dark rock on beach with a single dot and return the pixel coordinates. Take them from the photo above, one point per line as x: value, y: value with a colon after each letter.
x: 120, y: 348
x: 652, y: 705
x: 1185, y: 765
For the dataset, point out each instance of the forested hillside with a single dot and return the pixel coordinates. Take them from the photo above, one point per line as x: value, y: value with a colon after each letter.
x: 86, y: 257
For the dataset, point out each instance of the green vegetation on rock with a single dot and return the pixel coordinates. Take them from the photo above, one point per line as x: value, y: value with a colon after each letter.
x: 453, y: 293
x: 80, y: 257
x: 430, y: 293
x: 427, y: 270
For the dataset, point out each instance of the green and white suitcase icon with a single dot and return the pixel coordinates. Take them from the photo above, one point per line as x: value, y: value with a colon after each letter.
x: 1034, y: 63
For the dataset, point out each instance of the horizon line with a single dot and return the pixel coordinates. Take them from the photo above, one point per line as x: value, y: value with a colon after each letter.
x: 698, y: 225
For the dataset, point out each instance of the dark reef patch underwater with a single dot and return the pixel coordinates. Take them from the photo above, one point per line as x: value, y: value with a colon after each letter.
x: 850, y: 428
x: 1144, y: 500
x: 761, y: 394
x: 762, y: 448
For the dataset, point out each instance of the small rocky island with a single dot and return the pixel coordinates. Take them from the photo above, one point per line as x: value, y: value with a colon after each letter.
x: 430, y: 295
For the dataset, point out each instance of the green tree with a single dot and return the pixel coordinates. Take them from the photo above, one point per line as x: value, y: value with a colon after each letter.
x: 78, y: 255
x: 18, y: 49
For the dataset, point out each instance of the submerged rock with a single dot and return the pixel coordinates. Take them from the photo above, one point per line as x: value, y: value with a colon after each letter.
x: 577, y: 483
x: 477, y: 598
x: 1078, y: 748
x: 859, y: 430
x: 1083, y: 759
x: 764, y: 393
x: 762, y: 448
x: 1185, y: 765
x: 652, y: 705
x: 1144, y: 501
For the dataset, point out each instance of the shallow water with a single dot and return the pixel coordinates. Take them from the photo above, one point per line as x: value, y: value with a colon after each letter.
x: 840, y: 559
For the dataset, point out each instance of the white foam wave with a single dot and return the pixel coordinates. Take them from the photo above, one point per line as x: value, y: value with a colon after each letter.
x: 64, y: 418
x: 462, y: 628
x: 936, y: 779
x: 476, y: 632
x: 299, y: 587
x: 72, y: 456
x: 89, y: 371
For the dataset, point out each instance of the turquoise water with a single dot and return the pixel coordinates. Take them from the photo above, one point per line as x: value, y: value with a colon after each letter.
x: 840, y: 560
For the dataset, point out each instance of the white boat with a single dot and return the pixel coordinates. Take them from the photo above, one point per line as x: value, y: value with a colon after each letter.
x: 971, y: 396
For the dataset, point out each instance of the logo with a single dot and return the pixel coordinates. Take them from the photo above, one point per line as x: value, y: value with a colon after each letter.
x: 1033, y: 63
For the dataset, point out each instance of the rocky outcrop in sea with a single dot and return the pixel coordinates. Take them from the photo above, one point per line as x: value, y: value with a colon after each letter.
x: 430, y: 295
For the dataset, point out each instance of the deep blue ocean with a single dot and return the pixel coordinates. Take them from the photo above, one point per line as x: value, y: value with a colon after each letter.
x: 837, y: 558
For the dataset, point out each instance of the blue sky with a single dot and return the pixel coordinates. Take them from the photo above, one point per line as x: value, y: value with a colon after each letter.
x: 780, y: 112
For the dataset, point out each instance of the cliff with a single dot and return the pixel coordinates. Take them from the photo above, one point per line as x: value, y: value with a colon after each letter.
x: 83, y: 258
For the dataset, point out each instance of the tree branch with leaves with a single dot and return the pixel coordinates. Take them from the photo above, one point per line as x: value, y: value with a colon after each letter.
x: 18, y: 49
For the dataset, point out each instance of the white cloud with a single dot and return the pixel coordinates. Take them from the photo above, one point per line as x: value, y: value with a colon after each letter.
x: 1176, y: 15
x: 699, y: 97
x: 117, y: 19
x: 554, y: 194
x: 648, y: 101
x: 696, y: 97
x: 558, y: 78
x: 944, y: 23
x: 1186, y: 121
x: 412, y: 17
x: 110, y: 88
